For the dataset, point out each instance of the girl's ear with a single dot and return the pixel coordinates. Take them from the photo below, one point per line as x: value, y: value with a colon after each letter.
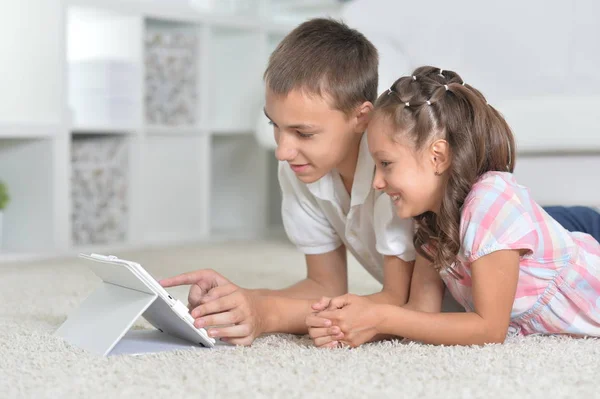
x: 363, y: 115
x: 440, y: 156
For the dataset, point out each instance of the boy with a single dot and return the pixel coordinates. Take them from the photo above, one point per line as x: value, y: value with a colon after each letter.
x: 321, y: 82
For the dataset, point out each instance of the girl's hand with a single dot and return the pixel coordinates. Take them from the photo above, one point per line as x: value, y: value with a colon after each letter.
x: 358, y: 318
x: 320, y: 329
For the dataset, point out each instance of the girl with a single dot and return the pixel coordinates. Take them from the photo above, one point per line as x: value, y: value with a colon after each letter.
x: 446, y: 157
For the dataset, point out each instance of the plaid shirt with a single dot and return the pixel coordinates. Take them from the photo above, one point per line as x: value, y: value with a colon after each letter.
x: 558, y: 291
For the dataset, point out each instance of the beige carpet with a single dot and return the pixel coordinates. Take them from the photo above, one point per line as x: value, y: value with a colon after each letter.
x: 36, y: 298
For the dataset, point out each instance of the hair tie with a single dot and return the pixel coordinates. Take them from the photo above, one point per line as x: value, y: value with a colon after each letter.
x: 414, y: 77
x: 407, y: 104
x: 446, y: 87
x: 428, y: 102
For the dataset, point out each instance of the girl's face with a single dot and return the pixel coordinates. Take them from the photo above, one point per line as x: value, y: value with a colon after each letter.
x: 407, y: 176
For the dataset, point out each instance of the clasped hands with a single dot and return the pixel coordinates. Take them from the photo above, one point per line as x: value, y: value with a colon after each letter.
x: 348, y: 320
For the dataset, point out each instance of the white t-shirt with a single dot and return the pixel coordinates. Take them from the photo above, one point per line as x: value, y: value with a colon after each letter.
x: 320, y: 216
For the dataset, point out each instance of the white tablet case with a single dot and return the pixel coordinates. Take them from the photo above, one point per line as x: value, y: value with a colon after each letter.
x: 102, y: 323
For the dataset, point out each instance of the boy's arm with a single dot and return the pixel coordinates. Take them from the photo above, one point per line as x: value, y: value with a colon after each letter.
x: 327, y: 275
x: 215, y: 301
x: 285, y: 310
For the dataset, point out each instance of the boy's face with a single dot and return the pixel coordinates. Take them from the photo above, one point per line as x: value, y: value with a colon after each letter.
x: 311, y: 136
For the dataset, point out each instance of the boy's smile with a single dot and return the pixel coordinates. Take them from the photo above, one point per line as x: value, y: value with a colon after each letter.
x: 299, y: 168
x: 312, y: 136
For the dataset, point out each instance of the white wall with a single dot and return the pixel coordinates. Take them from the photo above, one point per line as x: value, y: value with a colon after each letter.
x: 536, y: 61
x: 30, y: 61
x: 511, y: 48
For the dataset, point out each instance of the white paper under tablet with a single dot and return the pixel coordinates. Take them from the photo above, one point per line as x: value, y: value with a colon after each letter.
x: 141, y: 342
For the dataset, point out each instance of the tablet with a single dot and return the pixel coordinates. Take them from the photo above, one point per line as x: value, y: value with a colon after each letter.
x: 166, y: 314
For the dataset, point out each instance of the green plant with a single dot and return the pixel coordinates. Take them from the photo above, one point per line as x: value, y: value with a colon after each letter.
x: 4, y: 198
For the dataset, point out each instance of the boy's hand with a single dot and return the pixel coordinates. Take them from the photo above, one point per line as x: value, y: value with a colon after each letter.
x: 357, y: 317
x: 201, y: 281
x: 215, y: 301
x: 320, y: 329
x: 235, y: 312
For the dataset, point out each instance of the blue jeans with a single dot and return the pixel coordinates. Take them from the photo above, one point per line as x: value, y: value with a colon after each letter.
x: 577, y: 218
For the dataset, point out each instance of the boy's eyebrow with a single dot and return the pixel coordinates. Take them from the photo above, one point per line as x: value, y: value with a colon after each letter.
x: 380, y: 154
x: 300, y: 126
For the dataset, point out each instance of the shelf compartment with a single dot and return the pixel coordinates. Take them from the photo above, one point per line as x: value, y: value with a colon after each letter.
x: 171, y: 57
x: 26, y: 167
x: 174, y: 190
x: 235, y: 90
x: 99, y: 189
x: 238, y: 185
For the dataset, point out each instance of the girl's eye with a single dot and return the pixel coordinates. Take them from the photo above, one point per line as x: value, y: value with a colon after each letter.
x: 384, y: 164
x: 304, y: 135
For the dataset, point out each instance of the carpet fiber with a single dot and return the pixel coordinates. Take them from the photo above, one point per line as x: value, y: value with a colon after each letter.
x: 37, y: 297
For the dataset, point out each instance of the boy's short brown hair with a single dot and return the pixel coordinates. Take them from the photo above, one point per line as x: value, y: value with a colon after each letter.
x: 325, y: 56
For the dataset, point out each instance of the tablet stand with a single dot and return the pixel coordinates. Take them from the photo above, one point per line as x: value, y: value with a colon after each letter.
x: 107, y: 315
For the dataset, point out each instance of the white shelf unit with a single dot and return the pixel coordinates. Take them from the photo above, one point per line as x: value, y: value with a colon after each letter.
x: 191, y: 175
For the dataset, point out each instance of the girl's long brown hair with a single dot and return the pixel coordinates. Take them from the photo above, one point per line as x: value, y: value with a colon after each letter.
x: 437, y: 104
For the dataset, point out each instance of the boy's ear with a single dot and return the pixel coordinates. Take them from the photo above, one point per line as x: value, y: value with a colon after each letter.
x: 363, y: 115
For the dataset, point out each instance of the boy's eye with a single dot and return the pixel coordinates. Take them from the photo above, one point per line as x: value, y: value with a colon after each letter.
x: 384, y: 164
x: 271, y: 123
x: 305, y: 135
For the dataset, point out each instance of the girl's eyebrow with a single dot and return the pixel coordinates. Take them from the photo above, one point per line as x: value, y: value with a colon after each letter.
x: 300, y: 126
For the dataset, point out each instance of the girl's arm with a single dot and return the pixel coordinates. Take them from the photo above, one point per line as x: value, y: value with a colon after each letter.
x: 426, y: 288
x: 494, y: 279
x: 397, y: 274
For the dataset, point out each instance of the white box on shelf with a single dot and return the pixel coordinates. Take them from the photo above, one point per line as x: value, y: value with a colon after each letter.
x: 171, y: 57
x: 104, y: 92
x: 104, y: 111
x: 116, y: 77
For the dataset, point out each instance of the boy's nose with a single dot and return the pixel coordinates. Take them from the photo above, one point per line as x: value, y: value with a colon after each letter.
x: 378, y: 180
x: 284, y: 152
